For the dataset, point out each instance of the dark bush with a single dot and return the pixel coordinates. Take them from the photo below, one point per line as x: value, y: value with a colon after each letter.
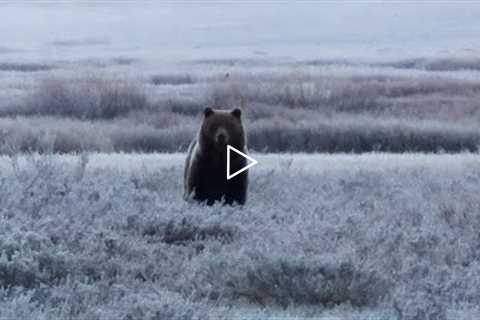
x: 171, y: 79
x: 290, y: 281
x: 360, y: 135
x: 25, y: 67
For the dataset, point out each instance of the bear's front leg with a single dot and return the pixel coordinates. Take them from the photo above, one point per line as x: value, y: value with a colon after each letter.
x: 237, y: 189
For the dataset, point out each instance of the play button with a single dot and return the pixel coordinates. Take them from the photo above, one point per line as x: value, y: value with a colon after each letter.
x: 249, y: 159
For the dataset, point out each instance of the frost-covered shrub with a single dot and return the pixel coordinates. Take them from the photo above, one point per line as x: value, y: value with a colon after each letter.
x: 183, y: 232
x: 83, y: 301
x: 358, y: 135
x: 163, y: 305
x: 17, y: 304
x: 70, y: 136
x: 284, y: 112
x: 285, y: 281
x: 189, y: 107
x: 268, y: 133
x: 419, y: 305
x: 90, y: 98
x: 17, y: 272
x: 29, y: 260
x: 148, y: 139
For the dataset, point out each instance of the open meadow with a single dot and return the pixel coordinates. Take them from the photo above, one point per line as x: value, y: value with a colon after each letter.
x: 364, y: 118
x: 375, y: 236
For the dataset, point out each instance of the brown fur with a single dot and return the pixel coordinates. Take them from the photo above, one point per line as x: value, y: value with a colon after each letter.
x: 205, y: 177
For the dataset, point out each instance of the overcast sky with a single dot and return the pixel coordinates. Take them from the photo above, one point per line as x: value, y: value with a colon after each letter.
x: 193, y: 24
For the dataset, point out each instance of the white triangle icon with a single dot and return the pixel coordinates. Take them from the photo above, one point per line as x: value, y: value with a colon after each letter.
x: 250, y: 159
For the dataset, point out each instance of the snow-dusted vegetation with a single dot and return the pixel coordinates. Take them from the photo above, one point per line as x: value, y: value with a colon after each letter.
x: 310, y: 110
x: 135, y: 78
x: 98, y: 100
x: 354, y: 237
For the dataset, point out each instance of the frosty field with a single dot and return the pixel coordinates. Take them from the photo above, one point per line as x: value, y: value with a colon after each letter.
x: 364, y: 117
x: 108, y: 236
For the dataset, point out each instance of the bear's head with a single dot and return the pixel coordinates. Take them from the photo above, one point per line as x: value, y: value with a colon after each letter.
x: 222, y: 127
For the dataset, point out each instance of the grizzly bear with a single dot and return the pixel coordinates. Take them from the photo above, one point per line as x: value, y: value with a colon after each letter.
x: 205, y: 177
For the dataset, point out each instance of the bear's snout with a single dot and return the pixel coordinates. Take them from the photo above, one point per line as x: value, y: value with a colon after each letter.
x: 221, y: 137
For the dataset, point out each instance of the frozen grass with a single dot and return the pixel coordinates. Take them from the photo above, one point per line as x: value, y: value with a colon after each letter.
x: 84, y: 98
x: 46, y: 134
x: 446, y: 63
x: 438, y: 64
x: 285, y: 112
x: 349, y: 93
x: 170, y: 131
x: 108, y: 236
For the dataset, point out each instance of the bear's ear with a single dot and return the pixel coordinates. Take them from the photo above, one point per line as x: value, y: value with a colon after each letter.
x: 208, y: 112
x: 237, y: 113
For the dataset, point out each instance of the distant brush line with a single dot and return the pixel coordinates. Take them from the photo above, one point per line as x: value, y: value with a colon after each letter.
x: 356, y: 135
x: 25, y: 67
x: 421, y: 63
